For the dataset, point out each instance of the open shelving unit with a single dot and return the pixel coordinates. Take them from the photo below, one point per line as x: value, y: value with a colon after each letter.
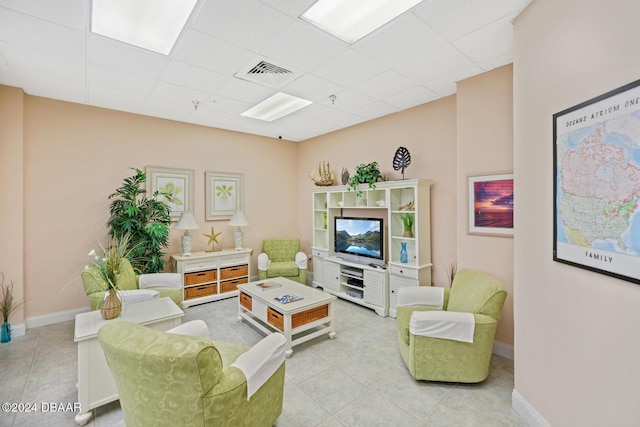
x: 395, y: 198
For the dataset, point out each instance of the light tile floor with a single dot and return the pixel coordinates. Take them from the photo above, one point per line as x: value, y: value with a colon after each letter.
x: 357, y: 379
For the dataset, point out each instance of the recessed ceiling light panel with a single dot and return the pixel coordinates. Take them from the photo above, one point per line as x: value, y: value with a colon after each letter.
x: 150, y: 24
x: 276, y: 106
x: 350, y: 20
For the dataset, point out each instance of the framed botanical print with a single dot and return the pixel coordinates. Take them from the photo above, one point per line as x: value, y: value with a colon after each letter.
x: 174, y: 187
x: 224, y: 194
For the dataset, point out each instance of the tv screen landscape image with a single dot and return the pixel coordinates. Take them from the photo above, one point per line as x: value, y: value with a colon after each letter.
x: 359, y: 237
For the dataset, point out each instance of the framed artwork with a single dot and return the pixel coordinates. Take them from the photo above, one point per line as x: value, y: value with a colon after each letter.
x: 491, y: 205
x: 224, y: 194
x: 596, y: 171
x: 176, y: 186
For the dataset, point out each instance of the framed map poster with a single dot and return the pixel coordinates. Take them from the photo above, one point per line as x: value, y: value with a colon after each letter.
x: 596, y: 184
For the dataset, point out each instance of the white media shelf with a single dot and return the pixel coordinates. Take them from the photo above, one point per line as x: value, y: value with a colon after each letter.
x: 390, y: 200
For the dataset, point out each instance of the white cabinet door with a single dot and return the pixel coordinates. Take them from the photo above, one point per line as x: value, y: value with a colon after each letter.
x: 374, y: 288
x: 332, y: 276
x: 318, y: 270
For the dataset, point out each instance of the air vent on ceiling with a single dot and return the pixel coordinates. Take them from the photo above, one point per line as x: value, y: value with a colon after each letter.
x: 266, y: 73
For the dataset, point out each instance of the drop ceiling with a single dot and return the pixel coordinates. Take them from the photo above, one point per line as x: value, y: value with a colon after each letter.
x: 47, y: 49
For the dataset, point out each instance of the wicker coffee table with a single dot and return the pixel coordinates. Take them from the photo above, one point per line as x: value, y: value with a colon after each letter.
x: 299, y: 321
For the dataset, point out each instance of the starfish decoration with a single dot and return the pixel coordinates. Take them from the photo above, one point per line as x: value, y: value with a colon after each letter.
x: 213, y: 237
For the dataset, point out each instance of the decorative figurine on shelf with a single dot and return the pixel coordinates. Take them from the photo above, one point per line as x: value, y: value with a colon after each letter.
x: 401, y: 160
x: 213, y: 239
x: 322, y: 176
x: 408, y: 207
x: 345, y: 176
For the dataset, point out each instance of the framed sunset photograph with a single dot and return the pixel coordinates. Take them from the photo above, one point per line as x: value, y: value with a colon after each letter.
x: 491, y: 205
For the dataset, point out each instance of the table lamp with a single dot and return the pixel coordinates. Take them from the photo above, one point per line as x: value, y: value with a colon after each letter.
x: 238, y: 220
x: 187, y: 222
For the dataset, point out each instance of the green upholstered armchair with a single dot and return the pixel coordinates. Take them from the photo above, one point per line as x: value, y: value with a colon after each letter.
x: 282, y: 258
x: 165, y: 284
x: 425, y: 345
x: 171, y: 379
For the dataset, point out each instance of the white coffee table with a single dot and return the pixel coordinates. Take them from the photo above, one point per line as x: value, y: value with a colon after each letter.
x: 314, y: 312
x: 95, y: 383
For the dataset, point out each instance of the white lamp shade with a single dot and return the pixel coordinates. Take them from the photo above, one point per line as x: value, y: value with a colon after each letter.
x: 238, y: 220
x: 186, y: 222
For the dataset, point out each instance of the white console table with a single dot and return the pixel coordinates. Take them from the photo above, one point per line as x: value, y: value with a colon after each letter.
x: 95, y: 383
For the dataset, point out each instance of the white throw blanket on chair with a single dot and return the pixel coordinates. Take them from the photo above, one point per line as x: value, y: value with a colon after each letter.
x: 450, y: 325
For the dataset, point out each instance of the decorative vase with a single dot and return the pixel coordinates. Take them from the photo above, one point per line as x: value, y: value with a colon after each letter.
x: 407, y: 233
x: 403, y: 252
x: 112, y: 306
x: 6, y: 332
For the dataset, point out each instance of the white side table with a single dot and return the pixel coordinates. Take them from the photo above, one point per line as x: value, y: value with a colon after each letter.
x: 95, y: 383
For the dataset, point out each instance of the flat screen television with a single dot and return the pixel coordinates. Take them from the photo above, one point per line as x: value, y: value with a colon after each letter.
x: 359, y: 239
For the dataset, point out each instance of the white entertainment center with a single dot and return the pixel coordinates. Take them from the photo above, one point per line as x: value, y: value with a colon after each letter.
x: 362, y: 282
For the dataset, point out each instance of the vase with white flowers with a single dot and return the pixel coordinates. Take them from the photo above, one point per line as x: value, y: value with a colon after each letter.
x: 106, y: 269
x: 8, y: 305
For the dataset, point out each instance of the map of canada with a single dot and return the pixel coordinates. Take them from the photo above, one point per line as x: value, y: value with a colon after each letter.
x: 598, y: 185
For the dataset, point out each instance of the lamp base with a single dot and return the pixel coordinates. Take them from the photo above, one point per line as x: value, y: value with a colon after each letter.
x: 186, y: 243
x: 239, y: 237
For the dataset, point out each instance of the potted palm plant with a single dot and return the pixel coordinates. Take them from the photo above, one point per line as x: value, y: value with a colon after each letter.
x: 145, y: 220
x: 7, y: 306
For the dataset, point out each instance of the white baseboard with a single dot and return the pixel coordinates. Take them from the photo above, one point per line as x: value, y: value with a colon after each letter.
x: 18, y: 330
x: 526, y: 411
x: 49, y: 319
x: 502, y: 349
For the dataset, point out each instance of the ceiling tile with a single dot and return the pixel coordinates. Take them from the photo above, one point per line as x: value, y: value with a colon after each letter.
x: 349, y: 100
x: 107, y: 97
x: 400, y: 42
x: 455, y: 18
x: 377, y: 109
x: 41, y: 35
x: 119, y: 81
x: 193, y: 77
x: 312, y: 88
x: 304, y: 46
x: 42, y: 62
x: 250, y: 24
x: 70, y: 13
x: 488, y: 42
x: 412, y: 97
x: 293, y: 8
x: 385, y: 84
x: 244, y: 91
x: 225, y: 105
x: 440, y: 64
x: 165, y: 92
x: 123, y: 57
x: 52, y: 86
x: 204, y: 51
x: 205, y: 117
x: 349, y: 69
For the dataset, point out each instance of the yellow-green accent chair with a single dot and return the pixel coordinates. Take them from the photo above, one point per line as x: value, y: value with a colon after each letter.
x: 166, y: 284
x: 172, y: 379
x: 440, y: 359
x: 282, y: 258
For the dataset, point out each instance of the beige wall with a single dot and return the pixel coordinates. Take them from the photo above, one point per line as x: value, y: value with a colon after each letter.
x: 429, y: 133
x: 485, y: 147
x: 577, y: 343
x: 12, y: 191
x: 75, y: 156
